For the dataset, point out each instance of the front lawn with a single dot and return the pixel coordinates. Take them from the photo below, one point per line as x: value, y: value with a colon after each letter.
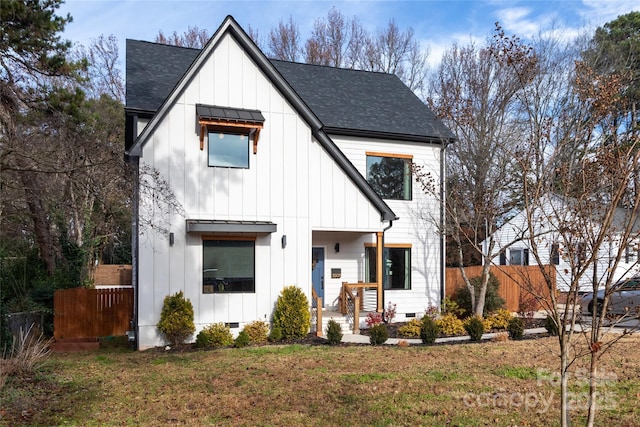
x: 491, y: 383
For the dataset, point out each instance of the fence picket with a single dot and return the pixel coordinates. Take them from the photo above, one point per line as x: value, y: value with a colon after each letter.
x: 91, y: 313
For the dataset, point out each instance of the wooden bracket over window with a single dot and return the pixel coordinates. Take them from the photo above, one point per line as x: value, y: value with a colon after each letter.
x: 224, y: 119
x: 252, y: 129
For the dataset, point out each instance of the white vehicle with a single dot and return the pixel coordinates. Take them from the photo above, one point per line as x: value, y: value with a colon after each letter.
x: 624, y: 299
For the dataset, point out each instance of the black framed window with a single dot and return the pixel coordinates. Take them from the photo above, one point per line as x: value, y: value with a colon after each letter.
x: 555, y: 254
x: 397, y: 266
x: 519, y: 256
x: 229, y: 150
x: 228, y: 266
x: 390, y: 176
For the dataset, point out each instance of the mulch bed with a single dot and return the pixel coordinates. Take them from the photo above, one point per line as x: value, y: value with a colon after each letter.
x: 392, y: 328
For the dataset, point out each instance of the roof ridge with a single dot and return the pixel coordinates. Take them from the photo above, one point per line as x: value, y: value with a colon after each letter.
x: 162, y: 44
x: 331, y: 67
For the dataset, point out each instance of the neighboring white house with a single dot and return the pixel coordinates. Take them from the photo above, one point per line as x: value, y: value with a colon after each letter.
x: 285, y: 174
x: 557, y: 247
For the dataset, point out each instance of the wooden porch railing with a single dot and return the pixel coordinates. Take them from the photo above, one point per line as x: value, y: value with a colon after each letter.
x: 352, y: 300
x: 316, y: 313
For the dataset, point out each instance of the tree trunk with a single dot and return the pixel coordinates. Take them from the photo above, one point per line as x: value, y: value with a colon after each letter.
x: 565, y: 417
x: 41, y: 226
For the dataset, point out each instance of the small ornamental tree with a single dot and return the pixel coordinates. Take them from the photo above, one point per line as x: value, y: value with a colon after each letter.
x: 176, y: 319
x: 292, y: 313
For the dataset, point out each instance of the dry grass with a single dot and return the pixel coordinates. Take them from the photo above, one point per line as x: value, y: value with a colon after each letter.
x: 490, y: 383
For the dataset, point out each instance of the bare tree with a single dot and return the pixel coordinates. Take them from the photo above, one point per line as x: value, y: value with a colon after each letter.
x: 477, y: 97
x: 328, y: 41
x: 578, y: 197
x: 103, y: 74
x: 284, y: 41
x: 193, y: 37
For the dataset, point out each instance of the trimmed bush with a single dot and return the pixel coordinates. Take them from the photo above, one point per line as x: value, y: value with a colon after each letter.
x: 474, y: 327
x: 242, y: 340
x: 493, y: 301
x: 551, y: 326
x: 450, y: 325
x: 450, y: 306
x: 516, y: 328
x: 334, y: 332
x: 292, y: 313
x: 378, y: 334
x: 176, y: 318
x: 214, y: 335
x: 257, y: 331
x: 500, y: 319
x: 411, y: 329
x: 276, y: 334
x: 429, y: 330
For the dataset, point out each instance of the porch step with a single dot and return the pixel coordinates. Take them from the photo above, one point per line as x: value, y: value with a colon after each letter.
x: 339, y: 318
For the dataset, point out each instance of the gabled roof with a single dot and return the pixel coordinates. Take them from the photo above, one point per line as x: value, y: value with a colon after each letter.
x: 347, y: 102
x: 152, y: 69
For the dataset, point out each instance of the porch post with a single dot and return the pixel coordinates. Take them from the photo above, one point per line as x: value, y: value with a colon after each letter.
x: 379, y: 272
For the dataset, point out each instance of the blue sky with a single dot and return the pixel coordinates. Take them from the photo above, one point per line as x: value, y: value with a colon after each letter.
x: 437, y: 24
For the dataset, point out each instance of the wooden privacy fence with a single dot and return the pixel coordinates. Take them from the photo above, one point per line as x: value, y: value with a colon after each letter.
x: 518, y: 283
x: 91, y: 313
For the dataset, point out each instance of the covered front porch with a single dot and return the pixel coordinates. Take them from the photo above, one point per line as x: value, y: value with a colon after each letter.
x: 347, y: 277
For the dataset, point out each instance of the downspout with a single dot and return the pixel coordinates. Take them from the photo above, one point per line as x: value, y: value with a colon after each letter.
x: 135, y: 228
x: 383, y: 274
x: 443, y: 263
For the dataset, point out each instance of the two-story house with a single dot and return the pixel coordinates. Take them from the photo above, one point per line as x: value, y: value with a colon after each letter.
x: 278, y: 174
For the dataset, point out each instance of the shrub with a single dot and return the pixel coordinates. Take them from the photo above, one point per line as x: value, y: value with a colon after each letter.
x: 411, y: 329
x: 242, y: 340
x: 292, y: 313
x: 551, y: 326
x: 378, y: 334
x: 214, y: 335
x: 474, y: 327
x: 516, y: 328
x: 276, y: 334
x: 450, y: 306
x: 429, y: 330
x: 500, y: 319
x: 450, y: 325
x: 493, y: 301
x: 432, y: 311
x: 257, y: 331
x: 176, y: 318
x: 390, y: 312
x: 334, y: 332
x: 373, y: 318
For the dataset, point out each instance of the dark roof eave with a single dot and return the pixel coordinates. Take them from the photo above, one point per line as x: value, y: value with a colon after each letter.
x: 139, y: 111
x: 389, y: 135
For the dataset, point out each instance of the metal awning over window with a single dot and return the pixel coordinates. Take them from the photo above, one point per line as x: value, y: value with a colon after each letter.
x: 225, y: 118
x: 220, y: 226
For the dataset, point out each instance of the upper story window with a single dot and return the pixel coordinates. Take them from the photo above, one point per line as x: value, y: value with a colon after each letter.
x: 228, y: 149
x: 229, y: 131
x: 390, y: 175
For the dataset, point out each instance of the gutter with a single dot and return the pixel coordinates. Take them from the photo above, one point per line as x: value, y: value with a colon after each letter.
x: 384, y: 318
x: 443, y: 263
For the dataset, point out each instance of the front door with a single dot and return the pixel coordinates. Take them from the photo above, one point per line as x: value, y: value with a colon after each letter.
x: 317, y: 271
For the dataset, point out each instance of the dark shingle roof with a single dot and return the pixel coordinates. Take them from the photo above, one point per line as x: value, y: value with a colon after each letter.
x: 352, y: 100
x: 152, y: 71
x: 345, y: 101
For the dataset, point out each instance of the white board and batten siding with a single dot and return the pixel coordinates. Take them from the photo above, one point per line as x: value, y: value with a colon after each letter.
x: 291, y: 181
